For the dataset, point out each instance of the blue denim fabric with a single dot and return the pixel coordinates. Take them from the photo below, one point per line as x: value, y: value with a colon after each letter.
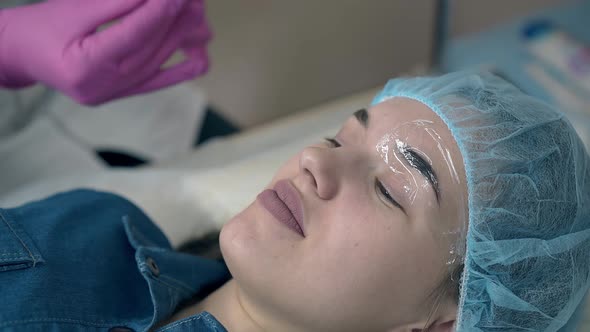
x: 91, y: 261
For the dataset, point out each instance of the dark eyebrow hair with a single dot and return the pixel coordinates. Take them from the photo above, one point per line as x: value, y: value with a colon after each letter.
x: 363, y: 117
x: 416, y: 161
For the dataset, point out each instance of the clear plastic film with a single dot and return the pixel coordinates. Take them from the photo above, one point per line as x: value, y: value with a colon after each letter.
x: 526, y: 260
x: 415, y: 169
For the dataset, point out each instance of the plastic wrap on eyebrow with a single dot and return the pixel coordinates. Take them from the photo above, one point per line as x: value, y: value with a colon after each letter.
x: 393, y: 148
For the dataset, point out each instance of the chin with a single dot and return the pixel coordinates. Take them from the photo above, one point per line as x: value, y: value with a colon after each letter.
x: 234, y: 234
x: 239, y: 239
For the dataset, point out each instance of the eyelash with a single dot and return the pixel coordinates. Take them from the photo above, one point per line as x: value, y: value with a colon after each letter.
x: 386, y: 194
x: 333, y: 143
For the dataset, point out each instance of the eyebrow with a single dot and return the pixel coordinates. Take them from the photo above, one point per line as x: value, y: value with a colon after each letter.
x: 413, y: 158
x: 362, y: 117
x: 416, y: 161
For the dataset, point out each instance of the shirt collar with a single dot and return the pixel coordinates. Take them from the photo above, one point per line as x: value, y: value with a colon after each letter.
x: 172, y: 277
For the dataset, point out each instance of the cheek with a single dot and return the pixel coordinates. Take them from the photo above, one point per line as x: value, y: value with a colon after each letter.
x: 367, y: 250
x: 358, y: 242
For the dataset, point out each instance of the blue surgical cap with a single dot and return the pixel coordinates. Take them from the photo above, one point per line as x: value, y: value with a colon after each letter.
x: 527, y: 245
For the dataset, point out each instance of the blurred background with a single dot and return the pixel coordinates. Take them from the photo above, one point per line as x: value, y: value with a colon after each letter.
x: 271, y: 58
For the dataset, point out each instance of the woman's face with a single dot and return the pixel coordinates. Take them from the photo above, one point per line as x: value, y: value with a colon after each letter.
x: 380, y: 226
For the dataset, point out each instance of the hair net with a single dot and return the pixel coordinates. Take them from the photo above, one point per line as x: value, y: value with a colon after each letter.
x: 527, y: 241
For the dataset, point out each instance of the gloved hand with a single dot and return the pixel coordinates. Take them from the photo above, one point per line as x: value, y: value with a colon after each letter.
x: 57, y: 43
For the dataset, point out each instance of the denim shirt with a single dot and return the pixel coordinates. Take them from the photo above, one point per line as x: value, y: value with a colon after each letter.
x: 91, y: 261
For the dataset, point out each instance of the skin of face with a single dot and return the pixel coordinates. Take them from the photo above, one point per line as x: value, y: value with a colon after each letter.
x: 364, y: 264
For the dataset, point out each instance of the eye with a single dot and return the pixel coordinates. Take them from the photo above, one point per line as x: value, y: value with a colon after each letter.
x: 385, y: 193
x: 332, y: 142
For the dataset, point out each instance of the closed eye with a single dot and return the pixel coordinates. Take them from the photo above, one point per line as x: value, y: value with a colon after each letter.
x: 333, y: 142
x: 385, y: 193
x: 380, y: 188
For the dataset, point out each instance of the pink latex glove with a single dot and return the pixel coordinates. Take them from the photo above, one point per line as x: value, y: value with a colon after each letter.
x: 57, y: 43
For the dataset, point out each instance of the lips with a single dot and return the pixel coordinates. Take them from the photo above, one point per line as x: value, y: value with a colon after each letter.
x: 284, y: 203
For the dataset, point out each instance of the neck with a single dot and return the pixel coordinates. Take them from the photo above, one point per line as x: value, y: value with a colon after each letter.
x: 226, y: 306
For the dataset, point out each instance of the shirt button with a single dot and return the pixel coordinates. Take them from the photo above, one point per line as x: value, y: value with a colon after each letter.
x: 120, y: 329
x: 153, y: 266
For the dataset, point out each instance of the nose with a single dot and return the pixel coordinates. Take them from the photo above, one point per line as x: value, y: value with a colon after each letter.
x: 320, y: 164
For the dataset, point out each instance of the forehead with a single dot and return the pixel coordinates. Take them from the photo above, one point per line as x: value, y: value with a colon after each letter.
x: 398, y: 112
x: 411, y: 120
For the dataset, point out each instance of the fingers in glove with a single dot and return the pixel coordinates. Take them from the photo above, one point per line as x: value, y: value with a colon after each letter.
x: 143, y: 29
x: 186, y: 70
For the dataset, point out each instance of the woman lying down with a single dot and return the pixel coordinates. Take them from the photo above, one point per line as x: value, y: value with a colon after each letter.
x: 451, y: 203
